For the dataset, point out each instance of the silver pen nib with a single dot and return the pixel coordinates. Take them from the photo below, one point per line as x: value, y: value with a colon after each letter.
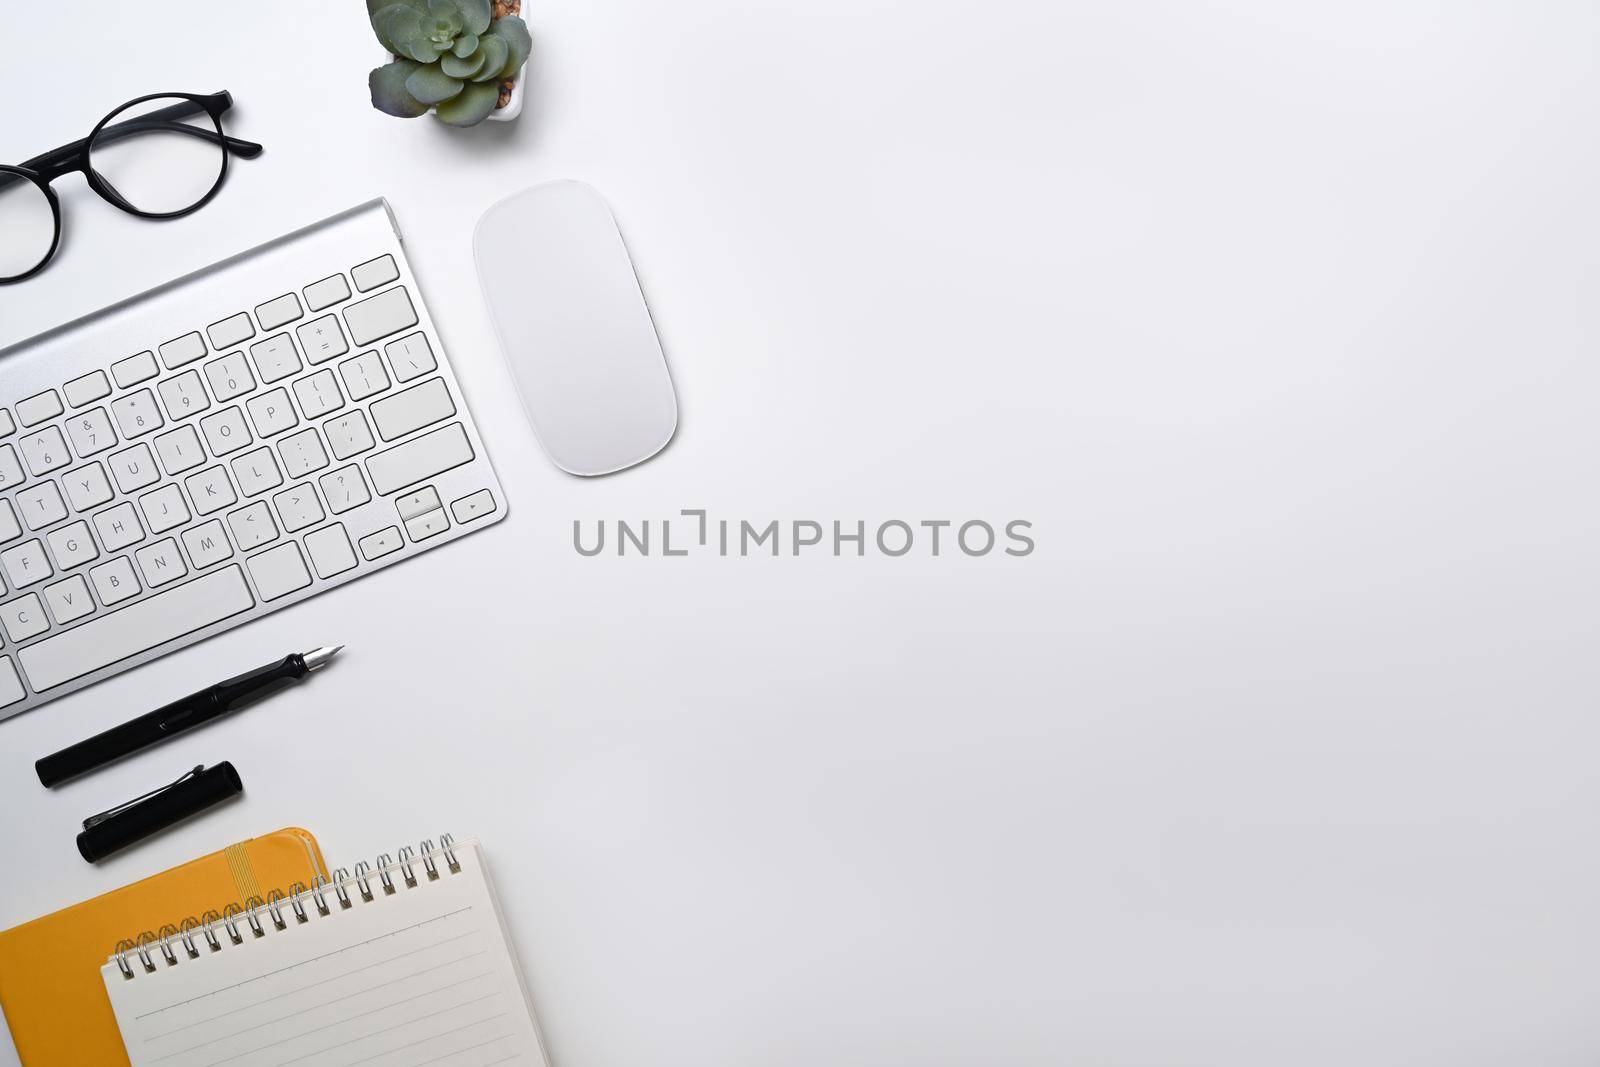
x: 318, y: 658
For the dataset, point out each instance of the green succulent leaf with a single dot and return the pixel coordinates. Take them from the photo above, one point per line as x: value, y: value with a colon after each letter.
x: 375, y: 6
x: 411, y: 37
x: 465, y: 45
x: 389, y: 93
x: 494, y: 51
x: 470, y: 106
x: 432, y: 85
x: 463, y: 68
x: 475, y: 15
x: 446, y: 16
x: 515, y: 33
x: 392, y: 21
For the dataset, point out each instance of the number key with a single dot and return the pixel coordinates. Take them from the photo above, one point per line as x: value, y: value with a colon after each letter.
x: 137, y: 413
x: 184, y: 395
x: 10, y: 469
x: 91, y: 432
x: 45, y: 451
x: 230, y: 376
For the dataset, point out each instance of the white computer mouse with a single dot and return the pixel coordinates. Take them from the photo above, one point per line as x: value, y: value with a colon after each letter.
x: 574, y: 328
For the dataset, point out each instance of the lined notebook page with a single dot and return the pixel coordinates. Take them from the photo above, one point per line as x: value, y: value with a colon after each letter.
x: 422, y: 976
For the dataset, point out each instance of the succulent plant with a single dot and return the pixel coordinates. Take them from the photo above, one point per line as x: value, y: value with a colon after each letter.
x: 448, y: 56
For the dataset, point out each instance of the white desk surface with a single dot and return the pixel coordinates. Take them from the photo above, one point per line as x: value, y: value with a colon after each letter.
x: 1279, y: 325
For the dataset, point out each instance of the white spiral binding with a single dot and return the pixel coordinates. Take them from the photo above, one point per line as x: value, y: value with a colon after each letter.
x: 194, y: 938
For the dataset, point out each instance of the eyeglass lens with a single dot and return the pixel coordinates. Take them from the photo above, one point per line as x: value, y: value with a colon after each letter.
x: 160, y: 156
x: 27, y: 225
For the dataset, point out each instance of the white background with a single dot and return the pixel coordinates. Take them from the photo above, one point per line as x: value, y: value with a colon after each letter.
x: 1276, y: 320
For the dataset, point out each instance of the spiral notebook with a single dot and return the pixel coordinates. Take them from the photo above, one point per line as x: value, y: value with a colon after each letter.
x: 407, y: 962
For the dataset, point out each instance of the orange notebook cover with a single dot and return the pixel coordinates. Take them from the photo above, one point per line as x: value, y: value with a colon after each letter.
x: 50, y: 986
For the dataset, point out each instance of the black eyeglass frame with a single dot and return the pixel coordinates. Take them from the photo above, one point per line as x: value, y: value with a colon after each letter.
x: 73, y: 158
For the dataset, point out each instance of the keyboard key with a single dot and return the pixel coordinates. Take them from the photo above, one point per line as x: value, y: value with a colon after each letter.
x: 364, y: 376
x: 278, y: 312
x: 420, y: 459
x: 229, y: 377
x: 72, y: 545
x: 411, y: 357
x: 134, y: 369
x: 330, y: 551
x: 179, y: 450
x: 253, y: 526
x: 136, y: 628
x: 69, y: 600
x: 318, y: 394
x: 119, y: 527
x: 275, y: 358
x: 87, y: 487
x: 380, y: 544
x: 207, y: 544
x: 379, y: 316
x: 431, y: 524
x: 45, y: 451
x: 161, y: 563
x: 181, y: 351
x: 134, y: 468
x: 348, y: 435
x: 10, y: 467
x: 38, y: 408
x: 412, y: 409
x: 272, y: 413
x: 164, y: 508
x: 345, y: 489
x: 210, y: 490
x: 7, y: 426
x: 257, y: 472
x: 25, y: 564
x: 279, y: 571
x: 91, y: 432
x: 184, y: 395
x: 230, y: 331
x: 137, y: 413
x: 11, y: 689
x: 41, y: 505
x: 87, y: 389
x: 114, y: 581
x: 326, y: 293
x: 24, y: 618
x: 303, y: 452
x: 473, y: 506
x: 375, y: 272
x: 321, y: 339
x: 10, y: 528
x: 417, y: 503
x: 225, y: 431
x: 298, y: 508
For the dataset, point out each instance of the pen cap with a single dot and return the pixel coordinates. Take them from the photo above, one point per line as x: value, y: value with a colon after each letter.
x: 188, y: 796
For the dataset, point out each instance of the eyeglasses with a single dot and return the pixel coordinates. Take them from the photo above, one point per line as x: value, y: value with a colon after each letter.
x: 158, y: 157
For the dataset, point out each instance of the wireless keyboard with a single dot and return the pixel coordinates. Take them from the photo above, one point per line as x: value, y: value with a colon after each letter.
x: 220, y: 447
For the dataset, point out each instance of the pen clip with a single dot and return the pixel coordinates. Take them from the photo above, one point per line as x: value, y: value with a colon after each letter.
x: 95, y: 820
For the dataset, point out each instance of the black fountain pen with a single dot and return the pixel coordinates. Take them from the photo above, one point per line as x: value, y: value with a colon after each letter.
x: 181, y: 715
